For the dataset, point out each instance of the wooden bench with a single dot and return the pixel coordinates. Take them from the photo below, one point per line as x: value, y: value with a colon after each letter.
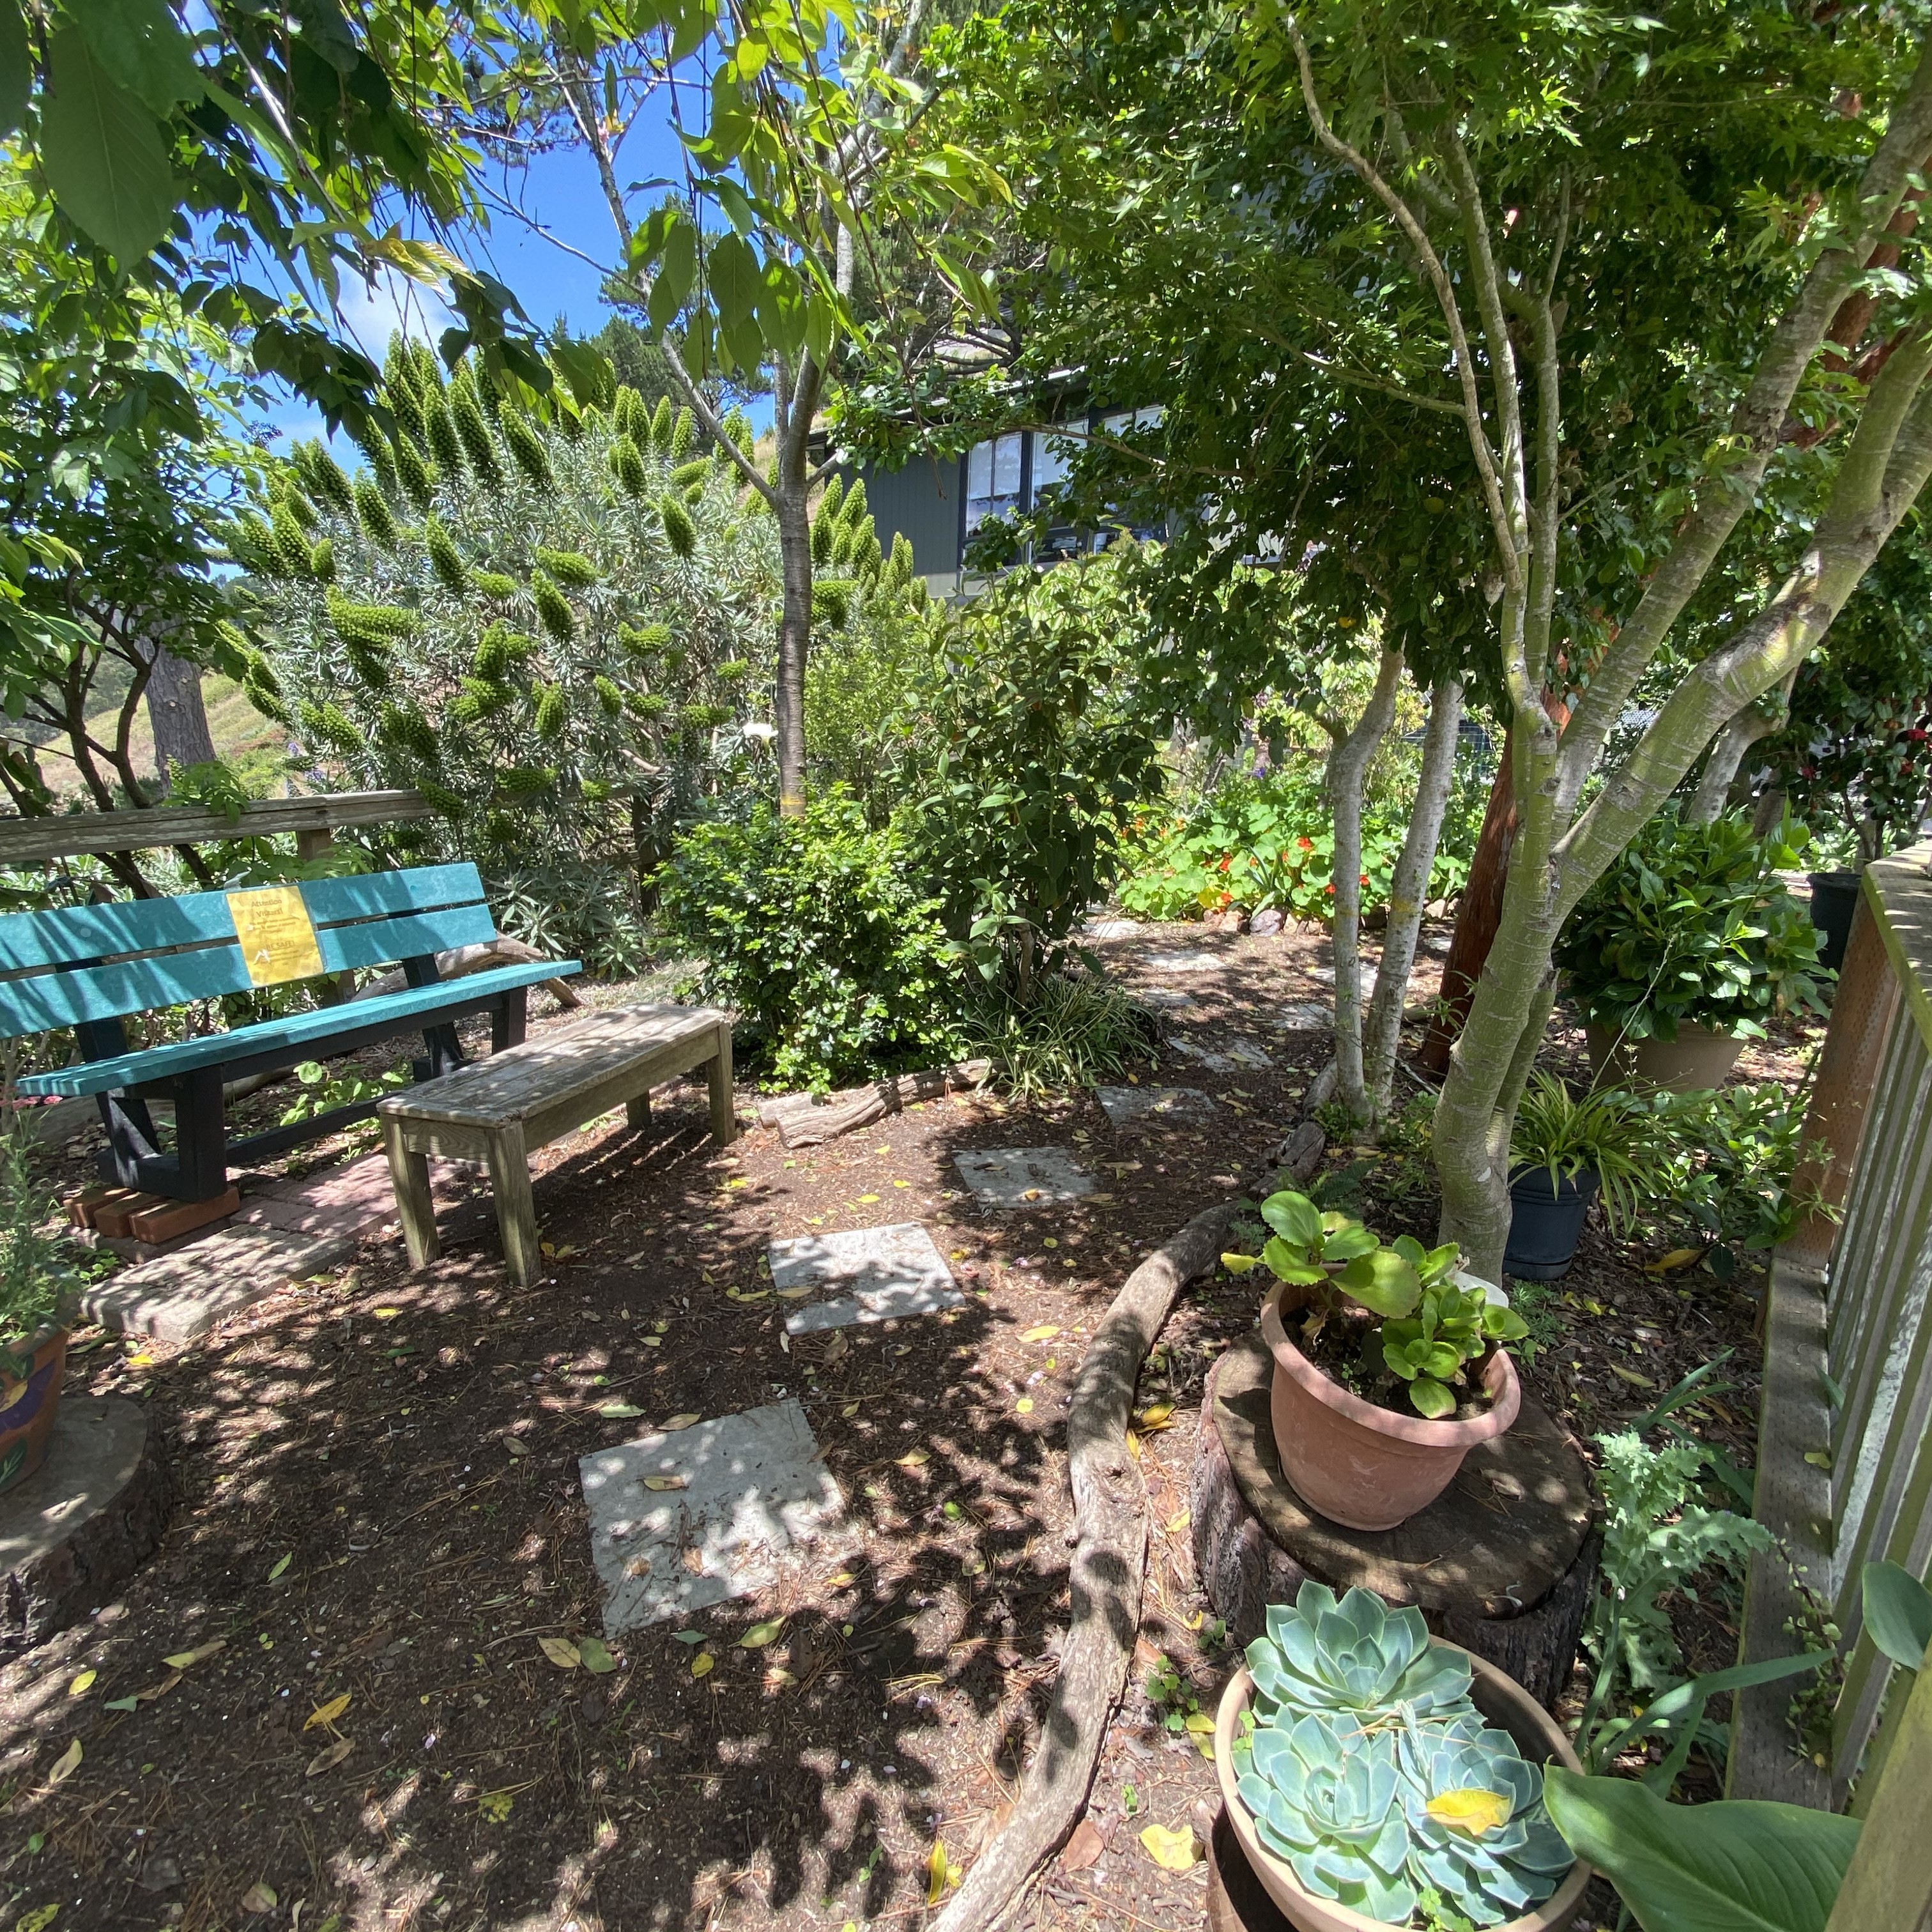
x: 492, y: 1114
x: 89, y: 966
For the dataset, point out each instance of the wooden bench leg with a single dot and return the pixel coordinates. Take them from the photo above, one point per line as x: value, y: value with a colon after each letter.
x: 724, y: 1108
x: 509, y: 1165
x: 638, y: 1112
x: 408, y: 1174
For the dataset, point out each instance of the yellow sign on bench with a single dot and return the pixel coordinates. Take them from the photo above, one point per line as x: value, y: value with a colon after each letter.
x: 276, y: 934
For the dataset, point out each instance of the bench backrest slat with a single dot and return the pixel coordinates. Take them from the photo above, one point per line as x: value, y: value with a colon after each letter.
x: 101, y: 961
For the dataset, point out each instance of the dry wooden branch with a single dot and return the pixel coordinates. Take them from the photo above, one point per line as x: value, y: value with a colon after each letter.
x: 461, y: 961
x: 804, y: 1119
x: 1104, y: 1583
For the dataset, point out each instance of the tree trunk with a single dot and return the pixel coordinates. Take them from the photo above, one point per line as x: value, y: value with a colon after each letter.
x: 176, y: 713
x: 1408, y: 892
x: 1480, y: 909
x: 1727, y: 755
x: 794, y: 634
x: 1348, y: 768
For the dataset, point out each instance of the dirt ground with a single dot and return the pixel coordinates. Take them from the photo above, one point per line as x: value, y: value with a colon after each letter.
x: 378, y: 1518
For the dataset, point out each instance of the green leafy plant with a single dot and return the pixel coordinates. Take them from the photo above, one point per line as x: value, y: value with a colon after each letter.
x: 1726, y: 1160
x: 1069, y: 1030
x: 817, y: 932
x: 1268, y: 841
x: 1692, y: 927
x: 1607, y: 1131
x: 36, y: 1268
x: 1368, y: 1769
x: 322, y: 1092
x: 1431, y: 1325
x: 1737, y: 1865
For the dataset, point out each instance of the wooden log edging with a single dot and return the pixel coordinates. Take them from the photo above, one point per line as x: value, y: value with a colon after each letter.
x: 807, y: 1120
x: 1105, y: 1579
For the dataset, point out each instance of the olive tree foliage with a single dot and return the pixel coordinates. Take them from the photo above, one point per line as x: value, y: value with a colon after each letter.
x: 559, y: 630
x: 1527, y: 171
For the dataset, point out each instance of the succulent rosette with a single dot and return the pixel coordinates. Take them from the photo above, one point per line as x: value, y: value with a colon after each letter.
x: 1356, y: 1656
x: 1326, y: 1797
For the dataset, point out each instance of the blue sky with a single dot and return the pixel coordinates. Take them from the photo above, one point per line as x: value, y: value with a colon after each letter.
x: 557, y: 192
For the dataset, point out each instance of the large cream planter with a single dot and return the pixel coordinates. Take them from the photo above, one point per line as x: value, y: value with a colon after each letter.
x: 1696, y: 1059
x: 1503, y: 1703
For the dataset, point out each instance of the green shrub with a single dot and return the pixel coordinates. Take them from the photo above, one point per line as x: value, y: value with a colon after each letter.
x: 1070, y: 1030
x: 816, y: 932
x: 1692, y: 927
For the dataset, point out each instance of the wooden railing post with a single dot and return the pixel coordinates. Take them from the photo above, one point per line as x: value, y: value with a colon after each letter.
x: 1862, y: 1011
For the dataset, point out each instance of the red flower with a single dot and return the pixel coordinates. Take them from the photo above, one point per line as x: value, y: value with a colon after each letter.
x: 1307, y: 844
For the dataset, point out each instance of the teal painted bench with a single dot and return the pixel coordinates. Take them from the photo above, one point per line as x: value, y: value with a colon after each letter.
x: 89, y: 966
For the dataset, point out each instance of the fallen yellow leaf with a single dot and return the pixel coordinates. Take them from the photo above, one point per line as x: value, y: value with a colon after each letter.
x: 327, y: 1713
x: 842, y: 1581
x: 663, y: 1482
x: 675, y: 1423
x: 564, y: 1655
x: 1178, y: 1522
x: 183, y: 1659
x: 66, y: 1765
x: 1678, y: 1258
x: 1045, y: 1332
x: 1159, y: 1416
x: 866, y: 1200
x: 759, y: 1635
x: 1024, y: 1406
x: 81, y: 1684
x: 940, y: 1872
x: 1172, y: 1851
x: 1133, y: 1445
x: 703, y: 1664
x: 1631, y: 1376
x: 1239, y: 1264
x: 912, y: 1459
x: 1472, y: 1810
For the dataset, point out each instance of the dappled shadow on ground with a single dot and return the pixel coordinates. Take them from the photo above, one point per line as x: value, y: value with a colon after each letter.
x: 410, y: 1445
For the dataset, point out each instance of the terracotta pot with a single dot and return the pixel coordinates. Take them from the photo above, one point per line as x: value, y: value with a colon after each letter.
x: 1503, y: 1702
x: 1696, y: 1059
x: 1361, y: 1465
x: 27, y: 1407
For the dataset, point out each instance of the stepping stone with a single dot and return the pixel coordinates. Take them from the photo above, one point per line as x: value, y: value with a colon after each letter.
x: 1023, y: 1176
x: 1124, y: 1105
x: 1185, y: 962
x: 754, y: 1490
x: 1326, y: 976
x: 180, y: 1295
x: 1167, y: 1000
x: 1240, y: 1055
x: 1309, y: 1016
x: 885, y: 1272
x: 1107, y: 928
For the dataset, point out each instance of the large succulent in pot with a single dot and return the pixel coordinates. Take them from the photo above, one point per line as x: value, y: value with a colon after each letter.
x: 1371, y: 1773
x: 1355, y: 1656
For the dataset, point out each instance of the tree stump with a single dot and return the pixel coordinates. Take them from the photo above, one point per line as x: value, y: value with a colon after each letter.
x: 1503, y: 1562
x: 84, y: 1521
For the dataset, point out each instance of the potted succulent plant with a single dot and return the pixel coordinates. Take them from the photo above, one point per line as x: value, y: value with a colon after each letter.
x: 1395, y: 1370
x: 1375, y: 1776
x: 1686, y: 946
x: 34, y: 1280
x: 1564, y: 1152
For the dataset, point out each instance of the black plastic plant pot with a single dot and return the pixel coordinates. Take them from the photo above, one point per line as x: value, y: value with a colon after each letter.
x: 1835, y: 898
x: 1546, y: 1225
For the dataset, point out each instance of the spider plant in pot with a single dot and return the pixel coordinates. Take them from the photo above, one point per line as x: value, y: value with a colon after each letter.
x: 1375, y: 1777
x: 34, y: 1281
x: 1392, y: 1370
x: 1565, y: 1153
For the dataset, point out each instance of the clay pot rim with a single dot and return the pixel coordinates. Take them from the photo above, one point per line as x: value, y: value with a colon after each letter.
x: 1499, y: 1378
x: 1557, y: 1910
x: 33, y: 1344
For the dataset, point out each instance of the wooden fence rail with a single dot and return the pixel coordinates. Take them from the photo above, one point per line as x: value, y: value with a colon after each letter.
x: 1845, y: 1437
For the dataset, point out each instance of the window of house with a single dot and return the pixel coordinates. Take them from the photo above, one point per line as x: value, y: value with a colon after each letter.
x: 992, y: 480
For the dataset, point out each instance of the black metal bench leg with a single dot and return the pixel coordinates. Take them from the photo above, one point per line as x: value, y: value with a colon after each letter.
x: 130, y: 1137
x: 507, y: 1020
x: 201, y: 1134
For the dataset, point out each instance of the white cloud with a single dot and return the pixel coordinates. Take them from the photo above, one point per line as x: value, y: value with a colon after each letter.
x: 369, y: 316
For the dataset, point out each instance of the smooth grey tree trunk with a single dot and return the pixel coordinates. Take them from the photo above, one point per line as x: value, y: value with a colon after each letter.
x: 1348, y: 770
x: 1408, y: 892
